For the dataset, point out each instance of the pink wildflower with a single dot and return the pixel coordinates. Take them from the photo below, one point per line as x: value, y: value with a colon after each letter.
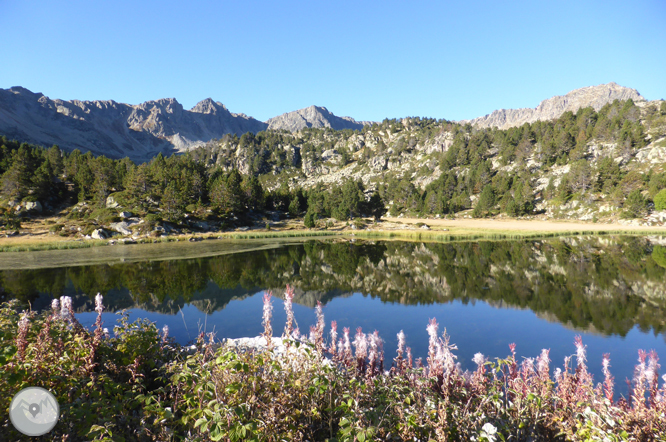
x: 334, y: 338
x: 22, y: 335
x: 288, y: 308
x: 268, y: 314
x: 66, y: 310
x: 608, y: 378
x: 55, y: 306
x: 165, y: 334
x: 319, y: 329
x: 361, y: 345
x: 99, y: 307
x: 347, y: 346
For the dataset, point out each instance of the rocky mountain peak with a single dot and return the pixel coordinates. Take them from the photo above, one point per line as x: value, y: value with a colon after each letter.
x: 208, y: 106
x: 312, y: 116
x: 591, y: 96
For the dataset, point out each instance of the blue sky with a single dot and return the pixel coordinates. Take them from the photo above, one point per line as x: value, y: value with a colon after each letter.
x: 368, y: 60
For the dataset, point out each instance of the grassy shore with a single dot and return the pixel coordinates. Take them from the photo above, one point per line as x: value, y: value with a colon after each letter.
x: 392, y: 228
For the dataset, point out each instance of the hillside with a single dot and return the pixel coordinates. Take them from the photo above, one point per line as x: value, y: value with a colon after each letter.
x: 603, y: 165
x: 141, y: 131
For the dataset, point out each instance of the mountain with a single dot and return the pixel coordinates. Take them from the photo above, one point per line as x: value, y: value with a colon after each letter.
x: 116, y: 129
x: 138, y: 131
x: 592, y: 96
x: 313, y: 116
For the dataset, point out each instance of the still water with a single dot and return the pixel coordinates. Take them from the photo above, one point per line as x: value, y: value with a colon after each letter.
x: 488, y: 294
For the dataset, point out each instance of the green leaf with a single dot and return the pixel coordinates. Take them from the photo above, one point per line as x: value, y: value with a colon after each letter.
x: 200, y: 421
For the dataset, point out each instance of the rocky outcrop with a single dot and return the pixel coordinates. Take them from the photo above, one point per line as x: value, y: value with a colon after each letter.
x: 313, y: 116
x: 592, y: 96
x: 116, y: 129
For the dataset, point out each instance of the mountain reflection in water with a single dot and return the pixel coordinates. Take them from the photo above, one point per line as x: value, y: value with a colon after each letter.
x: 606, y: 285
x: 487, y: 294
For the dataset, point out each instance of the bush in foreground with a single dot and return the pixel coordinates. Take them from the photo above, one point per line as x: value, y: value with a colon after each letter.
x: 139, y: 386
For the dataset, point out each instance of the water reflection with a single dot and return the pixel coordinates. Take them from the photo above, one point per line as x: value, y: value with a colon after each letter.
x: 605, y: 285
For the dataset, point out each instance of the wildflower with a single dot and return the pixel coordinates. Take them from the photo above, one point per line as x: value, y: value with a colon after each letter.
x: 638, y: 396
x: 165, y: 333
x: 268, y: 313
x: 542, y: 363
x: 372, y: 353
x: 106, y: 332
x: 361, y: 346
x: 99, y: 308
x: 346, y: 345
x: 581, y: 357
x: 319, y: 329
x: 608, y: 379
x: 488, y: 431
x: 55, y: 306
x: 399, y: 360
x: 288, y: 308
x: 652, y: 374
x: 22, y: 335
x: 334, y: 337
x: 479, y: 360
x: 432, y: 344
x: 66, y: 310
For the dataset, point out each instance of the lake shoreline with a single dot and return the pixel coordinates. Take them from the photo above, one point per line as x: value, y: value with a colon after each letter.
x: 31, y: 239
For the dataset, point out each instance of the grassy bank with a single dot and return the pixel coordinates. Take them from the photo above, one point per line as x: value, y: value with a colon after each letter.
x: 137, y: 384
x: 378, y: 231
x: 487, y: 234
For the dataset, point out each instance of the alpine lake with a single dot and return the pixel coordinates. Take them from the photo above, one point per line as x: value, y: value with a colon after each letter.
x: 537, y: 293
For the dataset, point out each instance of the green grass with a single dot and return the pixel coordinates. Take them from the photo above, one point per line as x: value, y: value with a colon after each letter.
x: 283, y: 234
x: 494, y: 234
x: 58, y: 245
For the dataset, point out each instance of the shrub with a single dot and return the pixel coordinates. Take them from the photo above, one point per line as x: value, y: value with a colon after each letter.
x: 139, y: 386
x: 660, y: 200
x: 104, y: 215
x: 310, y: 219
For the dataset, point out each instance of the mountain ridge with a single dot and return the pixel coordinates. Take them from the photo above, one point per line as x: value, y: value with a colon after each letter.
x: 551, y: 108
x: 141, y: 131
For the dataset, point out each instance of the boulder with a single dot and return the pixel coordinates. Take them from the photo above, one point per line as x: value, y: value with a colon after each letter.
x: 121, y: 227
x: 99, y: 234
x: 125, y: 214
x: 111, y: 203
x: 33, y: 206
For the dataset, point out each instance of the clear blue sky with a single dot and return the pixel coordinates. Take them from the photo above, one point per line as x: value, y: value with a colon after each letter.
x: 367, y: 60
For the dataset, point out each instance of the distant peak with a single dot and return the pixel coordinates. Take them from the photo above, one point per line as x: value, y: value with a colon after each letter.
x: 208, y: 106
x: 23, y: 91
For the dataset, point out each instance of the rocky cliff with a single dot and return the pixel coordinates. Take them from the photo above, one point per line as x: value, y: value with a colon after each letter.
x: 138, y: 131
x: 116, y: 129
x: 313, y: 116
x: 592, y: 96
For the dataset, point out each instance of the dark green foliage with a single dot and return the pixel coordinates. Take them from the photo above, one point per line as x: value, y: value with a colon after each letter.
x: 660, y: 200
x: 310, y: 219
x: 376, y: 206
x: 635, y: 206
x: 485, y: 203
x: 659, y: 255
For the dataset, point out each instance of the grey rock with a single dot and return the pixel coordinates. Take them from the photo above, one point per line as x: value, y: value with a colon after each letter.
x: 99, y: 234
x: 313, y: 116
x: 121, y: 227
x: 125, y: 214
x: 33, y: 206
x: 594, y: 96
x: 111, y: 203
x: 378, y: 163
x: 117, y: 129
